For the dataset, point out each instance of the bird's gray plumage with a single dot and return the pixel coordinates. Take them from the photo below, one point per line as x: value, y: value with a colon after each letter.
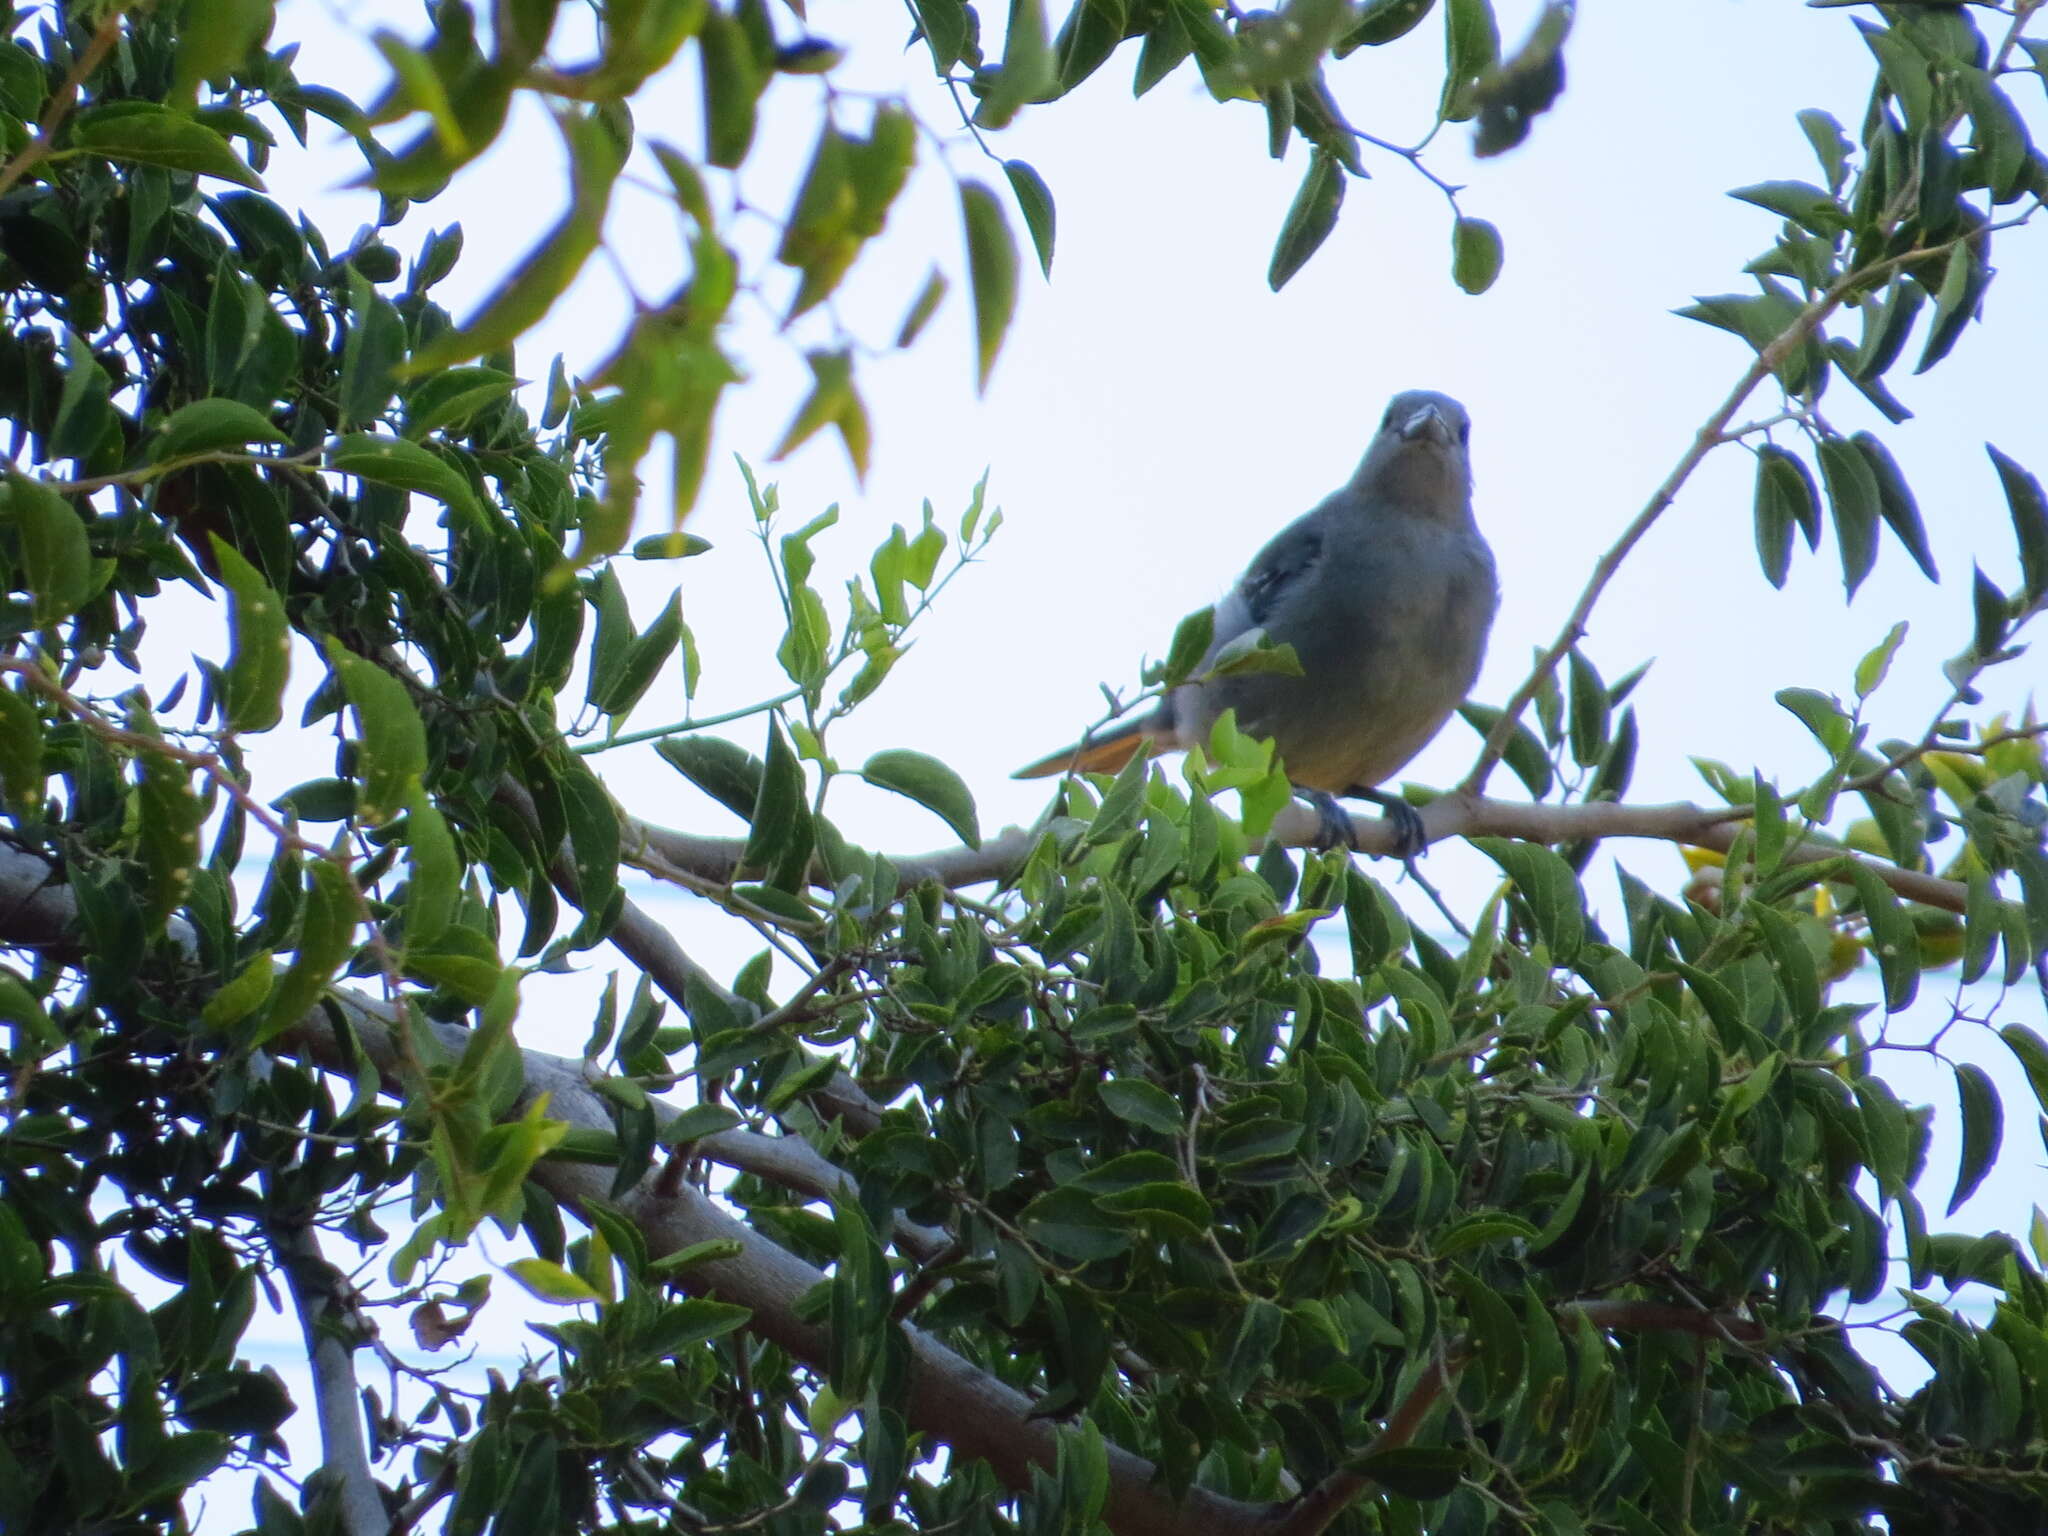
x: 1386, y: 592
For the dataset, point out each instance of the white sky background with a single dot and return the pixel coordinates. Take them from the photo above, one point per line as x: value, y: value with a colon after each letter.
x: 1157, y: 412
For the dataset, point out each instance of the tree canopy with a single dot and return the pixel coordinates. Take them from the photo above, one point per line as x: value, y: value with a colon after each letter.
x: 1063, y: 1180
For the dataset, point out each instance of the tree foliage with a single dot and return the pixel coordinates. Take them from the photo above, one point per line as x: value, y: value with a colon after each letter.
x: 1085, y: 1199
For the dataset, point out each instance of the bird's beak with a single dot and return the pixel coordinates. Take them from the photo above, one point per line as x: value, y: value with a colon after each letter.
x: 1429, y: 422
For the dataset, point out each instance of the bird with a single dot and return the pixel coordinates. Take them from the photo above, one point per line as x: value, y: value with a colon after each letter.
x: 1386, y: 591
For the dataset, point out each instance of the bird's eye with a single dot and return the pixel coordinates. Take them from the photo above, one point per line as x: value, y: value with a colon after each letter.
x: 1464, y: 433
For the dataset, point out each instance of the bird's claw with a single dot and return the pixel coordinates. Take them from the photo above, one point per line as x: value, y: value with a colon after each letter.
x: 1410, y: 838
x: 1333, y: 822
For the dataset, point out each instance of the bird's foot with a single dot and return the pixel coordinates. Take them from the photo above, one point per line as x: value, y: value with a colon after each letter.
x: 1333, y: 822
x: 1403, y: 820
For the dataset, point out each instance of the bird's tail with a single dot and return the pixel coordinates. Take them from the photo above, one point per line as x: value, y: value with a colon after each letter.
x: 1100, y: 754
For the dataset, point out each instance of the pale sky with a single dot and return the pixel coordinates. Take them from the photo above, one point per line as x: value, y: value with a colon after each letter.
x: 1158, y: 412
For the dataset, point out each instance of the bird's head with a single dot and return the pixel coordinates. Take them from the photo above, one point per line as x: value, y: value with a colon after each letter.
x: 1419, y: 453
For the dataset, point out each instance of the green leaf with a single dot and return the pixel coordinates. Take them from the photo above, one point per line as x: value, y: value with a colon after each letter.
x: 991, y: 273
x: 1143, y: 1103
x: 1380, y: 22
x: 21, y: 753
x: 210, y: 426
x: 392, y: 747
x: 1806, y: 205
x: 1589, y: 710
x: 931, y: 784
x: 1895, y: 503
x: 1524, y: 754
x: 732, y: 86
x: 781, y: 833
x: 1413, y: 1471
x: 1191, y: 639
x: 1792, y: 482
x: 326, y: 939
x: 626, y: 682
x: 1774, y: 523
x: 1892, y: 937
x: 674, y: 545
x: 1983, y: 1130
x: 433, y: 884
x: 944, y: 25
x: 1310, y: 218
x: 261, y: 662
x: 168, y: 820
x: 1475, y: 254
x: 723, y: 769
x: 1028, y: 71
x: 243, y: 995
x: 1549, y: 888
x: 2029, y: 510
x: 449, y: 401
x: 1877, y: 661
x: 833, y: 401
x: 1956, y: 303
x: 1471, y: 48
x: 56, y: 555
x: 144, y: 133
x: 1034, y: 197
x: 551, y: 1282
x: 409, y: 467
x: 1853, y: 498
x: 374, y: 349
x: 922, y: 308
x: 2032, y: 1052
x: 23, y: 86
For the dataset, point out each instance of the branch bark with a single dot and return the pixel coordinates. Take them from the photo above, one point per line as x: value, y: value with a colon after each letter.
x: 337, y: 1401
x: 1451, y: 815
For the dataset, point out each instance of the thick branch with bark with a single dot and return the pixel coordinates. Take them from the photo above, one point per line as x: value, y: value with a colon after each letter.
x: 337, y: 1401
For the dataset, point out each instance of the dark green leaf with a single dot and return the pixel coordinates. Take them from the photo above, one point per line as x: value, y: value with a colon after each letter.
x: 1524, y: 754
x: 1549, y: 887
x: 2029, y: 510
x: 1895, y: 503
x: 1471, y: 48
x: 144, y: 133
x: 1310, y: 218
x: 1983, y: 1130
x: 1854, y: 499
x: 210, y: 426
x: 1413, y: 1471
x: 395, y: 462
x: 56, y: 556
x: 1379, y: 22
x: 1034, y: 197
x: 781, y: 834
x: 931, y: 784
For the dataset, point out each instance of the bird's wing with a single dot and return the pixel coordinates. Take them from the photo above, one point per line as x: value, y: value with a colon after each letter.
x: 1282, y: 568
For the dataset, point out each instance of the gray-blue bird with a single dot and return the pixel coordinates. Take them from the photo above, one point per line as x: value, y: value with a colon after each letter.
x: 1386, y: 591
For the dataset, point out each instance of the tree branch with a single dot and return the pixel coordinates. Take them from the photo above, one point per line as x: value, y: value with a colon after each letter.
x: 337, y: 1400
x: 1451, y: 815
